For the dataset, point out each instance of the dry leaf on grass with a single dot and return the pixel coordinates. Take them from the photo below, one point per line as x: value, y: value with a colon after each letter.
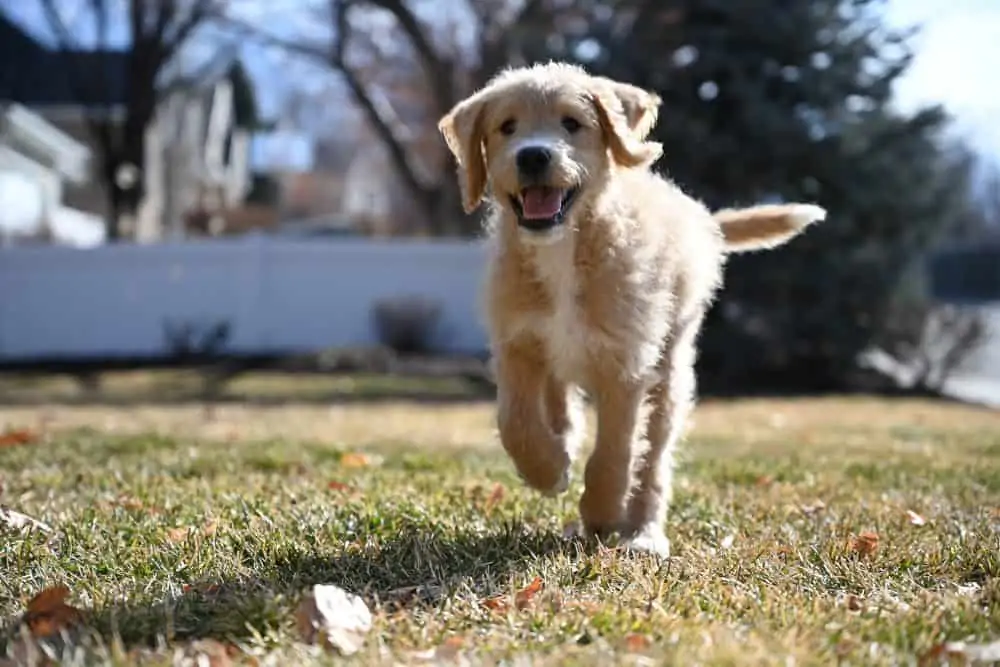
x: 853, y: 603
x: 48, y: 615
x: 331, y: 616
x: 915, y: 519
x: 636, y: 643
x: 338, y: 486
x: 18, y: 436
x: 495, y: 496
x: 408, y: 595
x: 447, y: 651
x: 813, y: 508
x: 130, y: 503
x: 764, y: 481
x: 18, y: 521
x: 204, y: 589
x: 971, y: 653
x: 865, y: 544
x: 357, y: 460
x: 522, y: 598
x: 205, y: 653
x: 182, y: 533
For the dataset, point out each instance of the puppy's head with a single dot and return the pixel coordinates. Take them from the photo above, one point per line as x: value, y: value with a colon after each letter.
x: 543, y: 139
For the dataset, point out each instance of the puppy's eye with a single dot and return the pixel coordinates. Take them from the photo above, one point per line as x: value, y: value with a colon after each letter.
x: 571, y: 125
x: 508, y: 127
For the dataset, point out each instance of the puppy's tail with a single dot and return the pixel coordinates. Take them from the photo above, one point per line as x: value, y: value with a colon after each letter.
x: 765, y: 226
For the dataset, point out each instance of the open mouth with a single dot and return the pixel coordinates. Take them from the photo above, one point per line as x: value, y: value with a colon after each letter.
x: 540, y: 208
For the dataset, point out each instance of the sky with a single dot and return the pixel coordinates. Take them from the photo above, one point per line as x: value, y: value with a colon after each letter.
x: 957, y: 57
x: 956, y: 64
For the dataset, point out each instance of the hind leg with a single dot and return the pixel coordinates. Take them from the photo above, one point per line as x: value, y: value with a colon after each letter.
x: 670, y: 403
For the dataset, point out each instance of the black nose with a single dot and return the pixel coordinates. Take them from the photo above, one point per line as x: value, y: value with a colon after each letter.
x: 533, y: 161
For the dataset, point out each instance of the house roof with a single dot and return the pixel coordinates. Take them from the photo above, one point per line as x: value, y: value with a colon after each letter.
x: 34, y: 75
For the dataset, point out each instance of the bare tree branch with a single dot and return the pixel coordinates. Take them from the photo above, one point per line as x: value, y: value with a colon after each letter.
x: 439, y: 71
x: 377, y: 110
x: 64, y: 35
x: 386, y: 126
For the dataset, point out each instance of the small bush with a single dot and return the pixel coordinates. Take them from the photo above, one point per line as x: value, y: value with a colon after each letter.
x: 406, y: 325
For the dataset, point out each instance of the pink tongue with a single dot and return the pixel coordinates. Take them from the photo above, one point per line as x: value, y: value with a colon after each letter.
x: 541, y: 202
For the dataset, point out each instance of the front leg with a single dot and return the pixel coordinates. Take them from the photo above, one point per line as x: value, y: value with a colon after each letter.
x: 608, y: 471
x: 528, y: 401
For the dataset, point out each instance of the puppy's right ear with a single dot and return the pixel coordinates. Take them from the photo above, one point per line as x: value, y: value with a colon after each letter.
x: 627, y: 115
x: 462, y: 128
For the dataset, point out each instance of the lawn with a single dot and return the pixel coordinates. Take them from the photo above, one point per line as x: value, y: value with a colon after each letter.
x: 804, y: 531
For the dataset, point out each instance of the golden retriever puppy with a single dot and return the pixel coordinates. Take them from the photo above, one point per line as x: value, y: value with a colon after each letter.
x: 600, y: 274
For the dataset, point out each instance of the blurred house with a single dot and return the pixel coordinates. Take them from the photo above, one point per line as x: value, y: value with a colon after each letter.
x: 38, y: 164
x: 197, y: 166
x: 36, y: 77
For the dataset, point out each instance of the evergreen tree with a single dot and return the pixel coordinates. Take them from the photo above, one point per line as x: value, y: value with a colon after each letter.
x: 769, y: 100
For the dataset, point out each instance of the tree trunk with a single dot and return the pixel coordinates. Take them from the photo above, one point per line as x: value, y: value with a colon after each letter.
x: 116, y: 204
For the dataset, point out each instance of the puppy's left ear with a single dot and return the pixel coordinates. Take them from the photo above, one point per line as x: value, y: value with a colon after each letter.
x: 641, y: 107
x: 463, y: 132
x: 627, y: 115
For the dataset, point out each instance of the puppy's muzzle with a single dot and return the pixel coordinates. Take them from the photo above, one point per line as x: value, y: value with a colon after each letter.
x: 539, y: 206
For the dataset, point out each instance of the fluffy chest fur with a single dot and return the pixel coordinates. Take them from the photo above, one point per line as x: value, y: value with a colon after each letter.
x: 601, y: 314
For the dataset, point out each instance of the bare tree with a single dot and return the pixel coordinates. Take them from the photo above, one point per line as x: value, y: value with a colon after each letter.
x: 120, y: 89
x: 446, y: 74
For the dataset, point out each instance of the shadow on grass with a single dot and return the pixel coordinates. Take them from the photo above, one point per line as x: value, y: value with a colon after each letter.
x: 418, y: 566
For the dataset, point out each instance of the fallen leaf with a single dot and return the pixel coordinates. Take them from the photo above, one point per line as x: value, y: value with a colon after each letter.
x: 865, y: 544
x: 330, y: 615
x: 19, y: 521
x: 48, y: 614
x: 495, y: 496
x: 355, y: 460
x: 813, y: 507
x: 636, y: 642
x: 18, y: 436
x: 338, y: 486
x: 971, y: 653
x: 524, y: 596
x: 206, y: 589
x: 406, y: 595
x: 496, y: 603
x: 129, y: 503
x: 853, y: 603
x: 182, y: 533
x: 915, y: 519
x: 448, y: 650
x: 177, y: 535
x: 205, y: 653
x: 453, y: 642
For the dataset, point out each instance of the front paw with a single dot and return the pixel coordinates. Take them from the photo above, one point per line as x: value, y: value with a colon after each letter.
x: 649, y: 540
x: 549, y: 479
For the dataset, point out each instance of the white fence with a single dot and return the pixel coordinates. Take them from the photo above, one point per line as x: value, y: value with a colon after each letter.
x: 276, y: 295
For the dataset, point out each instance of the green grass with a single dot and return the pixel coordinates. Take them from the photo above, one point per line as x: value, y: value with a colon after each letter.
x: 761, y: 573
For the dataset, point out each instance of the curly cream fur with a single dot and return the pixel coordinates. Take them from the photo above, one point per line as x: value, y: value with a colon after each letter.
x: 611, y: 302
